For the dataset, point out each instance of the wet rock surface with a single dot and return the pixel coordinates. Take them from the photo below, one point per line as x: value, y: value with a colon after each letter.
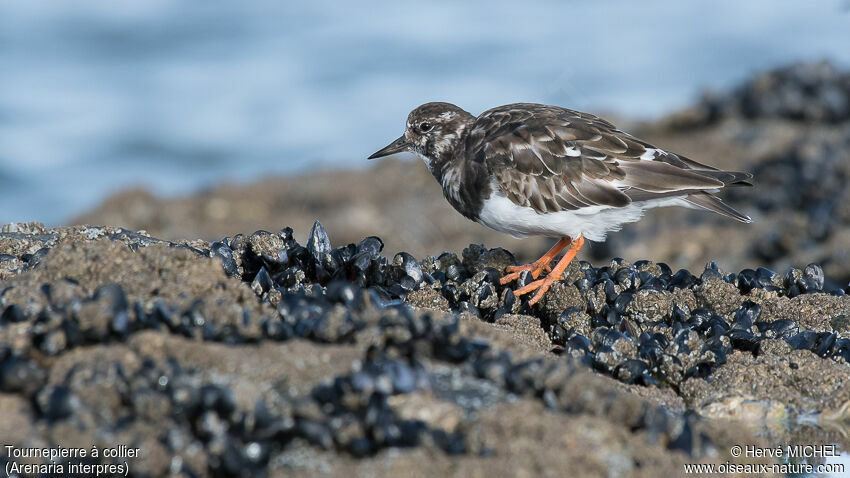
x: 257, y: 355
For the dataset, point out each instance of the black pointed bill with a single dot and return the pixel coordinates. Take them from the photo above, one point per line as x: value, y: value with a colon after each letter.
x: 396, y: 146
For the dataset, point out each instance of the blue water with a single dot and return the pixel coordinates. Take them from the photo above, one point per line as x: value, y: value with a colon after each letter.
x: 175, y: 96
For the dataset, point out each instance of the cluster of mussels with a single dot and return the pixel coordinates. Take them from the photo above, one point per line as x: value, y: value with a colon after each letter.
x: 624, y: 319
x: 808, y: 195
x: 632, y: 321
x: 811, y: 92
x: 350, y: 413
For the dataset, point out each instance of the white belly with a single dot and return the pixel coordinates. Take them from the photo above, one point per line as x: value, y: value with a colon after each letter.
x: 593, y: 223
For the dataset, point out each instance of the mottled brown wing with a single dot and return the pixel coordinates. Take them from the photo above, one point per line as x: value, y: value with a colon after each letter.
x: 554, y: 159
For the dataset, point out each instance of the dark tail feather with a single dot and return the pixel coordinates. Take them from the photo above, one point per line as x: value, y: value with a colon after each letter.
x: 729, y: 178
x: 713, y: 203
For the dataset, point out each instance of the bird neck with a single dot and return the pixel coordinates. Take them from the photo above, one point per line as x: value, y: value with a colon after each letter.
x: 465, y: 184
x: 440, y: 162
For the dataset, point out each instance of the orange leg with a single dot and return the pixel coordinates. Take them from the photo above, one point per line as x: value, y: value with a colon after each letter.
x: 539, y: 266
x: 542, y: 285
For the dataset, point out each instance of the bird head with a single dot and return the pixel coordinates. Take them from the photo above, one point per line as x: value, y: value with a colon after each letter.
x: 432, y: 131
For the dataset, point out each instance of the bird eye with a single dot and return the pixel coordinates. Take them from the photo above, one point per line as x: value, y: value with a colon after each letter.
x: 425, y: 127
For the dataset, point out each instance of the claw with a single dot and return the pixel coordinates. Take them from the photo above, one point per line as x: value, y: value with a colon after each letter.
x: 541, y: 286
x: 516, y: 271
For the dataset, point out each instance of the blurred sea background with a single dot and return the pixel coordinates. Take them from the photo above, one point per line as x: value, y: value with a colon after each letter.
x: 175, y: 96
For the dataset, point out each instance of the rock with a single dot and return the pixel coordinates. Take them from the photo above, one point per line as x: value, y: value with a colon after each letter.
x: 720, y: 296
x: 476, y: 258
x: 428, y: 298
x: 20, y: 375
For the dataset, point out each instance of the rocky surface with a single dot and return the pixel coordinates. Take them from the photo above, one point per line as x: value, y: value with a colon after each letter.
x: 258, y: 355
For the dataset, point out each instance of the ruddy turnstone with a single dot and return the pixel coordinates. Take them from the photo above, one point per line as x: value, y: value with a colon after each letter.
x: 537, y: 170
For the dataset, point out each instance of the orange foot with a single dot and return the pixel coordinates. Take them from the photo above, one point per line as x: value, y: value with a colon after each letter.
x: 539, y: 266
x: 542, y: 285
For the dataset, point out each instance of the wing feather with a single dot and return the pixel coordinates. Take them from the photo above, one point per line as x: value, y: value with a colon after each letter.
x: 554, y: 159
